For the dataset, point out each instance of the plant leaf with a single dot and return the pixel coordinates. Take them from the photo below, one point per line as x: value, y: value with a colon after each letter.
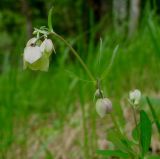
x: 106, y: 71
x: 50, y: 19
x: 135, y: 132
x: 155, y: 118
x: 113, y: 153
x: 145, y: 131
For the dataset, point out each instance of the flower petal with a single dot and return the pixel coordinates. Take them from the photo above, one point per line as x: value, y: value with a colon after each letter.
x: 47, y: 46
x: 32, y: 54
x: 31, y: 41
x: 42, y: 64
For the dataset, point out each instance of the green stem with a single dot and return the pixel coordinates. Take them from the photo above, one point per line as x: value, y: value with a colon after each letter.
x: 136, y: 125
x: 76, y: 54
x: 116, y: 124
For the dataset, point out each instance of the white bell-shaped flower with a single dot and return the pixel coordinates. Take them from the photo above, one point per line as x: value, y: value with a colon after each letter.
x: 103, y: 106
x: 47, y: 46
x: 135, y: 96
x: 32, y: 54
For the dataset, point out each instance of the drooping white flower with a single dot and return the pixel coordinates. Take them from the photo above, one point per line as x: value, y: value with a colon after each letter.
x: 36, y: 54
x: 135, y: 96
x: 103, y: 106
x: 32, y: 54
x: 31, y: 41
x: 47, y: 46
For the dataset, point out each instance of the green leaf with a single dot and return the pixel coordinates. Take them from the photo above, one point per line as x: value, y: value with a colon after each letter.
x: 145, y: 132
x: 135, y: 132
x: 50, y: 19
x: 113, y: 153
x: 155, y: 118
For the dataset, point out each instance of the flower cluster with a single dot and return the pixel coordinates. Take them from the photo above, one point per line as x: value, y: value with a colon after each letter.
x: 36, y: 54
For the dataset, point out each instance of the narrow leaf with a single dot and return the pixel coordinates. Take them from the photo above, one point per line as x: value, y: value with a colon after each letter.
x: 106, y: 72
x: 50, y: 19
x: 153, y: 114
x: 145, y: 132
x: 113, y: 153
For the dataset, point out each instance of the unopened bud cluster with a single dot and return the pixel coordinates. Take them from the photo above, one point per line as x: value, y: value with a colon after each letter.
x: 36, y: 54
x: 103, y: 105
x: 135, y: 96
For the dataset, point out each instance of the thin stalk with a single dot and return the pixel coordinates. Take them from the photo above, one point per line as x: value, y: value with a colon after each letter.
x: 76, y: 54
x: 136, y: 125
x: 116, y: 124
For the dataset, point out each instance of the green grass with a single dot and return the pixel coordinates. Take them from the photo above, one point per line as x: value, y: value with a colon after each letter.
x: 54, y: 97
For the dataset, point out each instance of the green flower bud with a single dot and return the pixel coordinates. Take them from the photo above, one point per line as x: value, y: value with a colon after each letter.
x: 103, y: 106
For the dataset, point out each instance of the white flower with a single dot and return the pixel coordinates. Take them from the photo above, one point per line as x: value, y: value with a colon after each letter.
x: 31, y: 41
x: 103, y: 106
x: 47, y: 46
x: 32, y: 54
x: 36, y: 54
x: 135, y: 96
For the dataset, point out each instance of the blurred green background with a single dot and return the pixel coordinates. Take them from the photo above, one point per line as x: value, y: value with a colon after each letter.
x: 37, y: 109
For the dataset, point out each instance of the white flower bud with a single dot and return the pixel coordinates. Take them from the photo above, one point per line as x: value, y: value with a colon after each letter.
x: 32, y: 54
x: 103, y: 106
x: 31, y: 41
x: 135, y: 96
x: 47, y: 46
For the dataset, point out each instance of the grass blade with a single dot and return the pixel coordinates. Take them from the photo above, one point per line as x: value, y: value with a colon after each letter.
x: 153, y: 114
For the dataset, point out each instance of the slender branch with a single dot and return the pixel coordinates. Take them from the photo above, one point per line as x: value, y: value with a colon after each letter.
x: 76, y: 54
x: 116, y: 124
